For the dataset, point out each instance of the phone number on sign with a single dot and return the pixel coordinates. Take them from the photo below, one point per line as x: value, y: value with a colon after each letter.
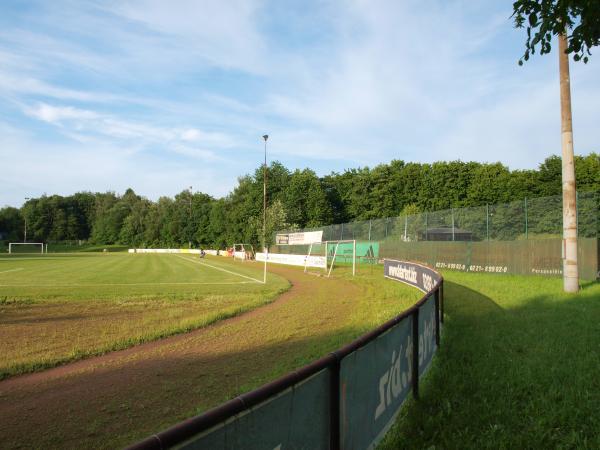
x: 493, y: 269
x: 472, y: 268
x: 455, y: 266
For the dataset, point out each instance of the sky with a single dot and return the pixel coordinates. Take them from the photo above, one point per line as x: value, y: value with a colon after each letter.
x: 162, y: 95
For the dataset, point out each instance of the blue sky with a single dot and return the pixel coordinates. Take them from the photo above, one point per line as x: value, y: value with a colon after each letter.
x: 159, y: 95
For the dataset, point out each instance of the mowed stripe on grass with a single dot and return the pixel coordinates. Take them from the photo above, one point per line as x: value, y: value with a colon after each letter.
x: 110, y: 268
x: 115, y: 399
x: 59, y: 309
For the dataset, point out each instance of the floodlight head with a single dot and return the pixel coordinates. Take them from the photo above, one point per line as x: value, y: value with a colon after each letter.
x: 265, y: 137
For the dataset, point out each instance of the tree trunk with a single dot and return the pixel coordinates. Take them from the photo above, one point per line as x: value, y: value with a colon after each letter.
x: 570, y: 272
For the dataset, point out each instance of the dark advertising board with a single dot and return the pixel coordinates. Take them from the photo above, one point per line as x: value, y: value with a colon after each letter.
x: 374, y: 382
x: 297, y: 418
x: 427, y: 324
x: 421, y: 277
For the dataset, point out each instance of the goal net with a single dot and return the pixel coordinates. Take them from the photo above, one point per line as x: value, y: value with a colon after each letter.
x: 243, y: 252
x: 27, y: 247
x: 337, y: 253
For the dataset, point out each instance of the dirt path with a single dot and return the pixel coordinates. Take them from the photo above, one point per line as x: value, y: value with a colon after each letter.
x: 115, y: 399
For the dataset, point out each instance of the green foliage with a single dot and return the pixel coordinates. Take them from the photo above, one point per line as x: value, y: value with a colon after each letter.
x: 546, y: 18
x: 301, y: 199
x: 277, y: 219
x: 11, y: 224
x: 305, y: 200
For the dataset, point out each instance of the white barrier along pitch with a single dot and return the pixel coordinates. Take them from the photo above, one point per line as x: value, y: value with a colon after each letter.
x: 194, y: 251
x: 294, y: 260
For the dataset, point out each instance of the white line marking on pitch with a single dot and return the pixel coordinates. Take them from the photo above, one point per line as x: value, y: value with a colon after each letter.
x: 219, y: 268
x: 12, y: 270
x: 122, y: 284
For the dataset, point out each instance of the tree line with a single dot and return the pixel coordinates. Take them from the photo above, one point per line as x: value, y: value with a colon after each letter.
x: 297, y: 199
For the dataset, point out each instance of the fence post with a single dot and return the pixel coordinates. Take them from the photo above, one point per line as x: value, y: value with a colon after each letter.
x: 526, y: 220
x: 386, y: 223
x: 342, y: 233
x: 437, y: 316
x: 442, y: 301
x: 334, y: 404
x: 452, y: 223
x: 354, y: 257
x: 405, y: 227
x: 426, y: 228
x: 487, y: 221
x: 370, y: 223
x: 415, y: 354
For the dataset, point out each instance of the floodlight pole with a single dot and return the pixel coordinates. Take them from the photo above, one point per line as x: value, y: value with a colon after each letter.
x: 190, y: 223
x: 265, y: 249
x: 25, y: 233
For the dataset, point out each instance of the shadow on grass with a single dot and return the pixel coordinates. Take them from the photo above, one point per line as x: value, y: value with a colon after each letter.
x: 525, y: 375
x: 112, y: 405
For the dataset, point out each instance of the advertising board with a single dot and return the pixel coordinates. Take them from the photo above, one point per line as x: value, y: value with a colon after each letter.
x: 296, y: 418
x: 374, y: 382
x: 300, y: 238
x: 294, y: 260
x: 421, y: 277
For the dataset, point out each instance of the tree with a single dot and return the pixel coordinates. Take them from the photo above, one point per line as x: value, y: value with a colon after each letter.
x: 305, y: 200
x: 276, y: 221
x: 489, y: 185
x: 11, y: 224
x: 548, y: 18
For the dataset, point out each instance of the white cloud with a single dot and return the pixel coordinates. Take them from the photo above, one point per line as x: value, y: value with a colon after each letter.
x: 223, y: 33
x: 91, y: 127
x: 58, y: 114
x: 65, y: 169
x: 333, y: 83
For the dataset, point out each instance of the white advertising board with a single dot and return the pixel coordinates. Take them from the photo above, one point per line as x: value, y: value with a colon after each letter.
x: 294, y: 260
x: 164, y: 250
x: 240, y: 255
x: 303, y: 238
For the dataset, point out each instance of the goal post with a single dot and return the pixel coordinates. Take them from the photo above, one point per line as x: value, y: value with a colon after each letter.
x: 27, y: 247
x: 315, y: 256
x: 315, y: 252
x: 347, y: 250
x: 243, y: 252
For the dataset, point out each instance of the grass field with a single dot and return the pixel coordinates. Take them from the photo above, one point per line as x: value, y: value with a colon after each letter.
x: 181, y: 376
x: 519, y: 367
x: 64, y: 248
x: 58, y: 308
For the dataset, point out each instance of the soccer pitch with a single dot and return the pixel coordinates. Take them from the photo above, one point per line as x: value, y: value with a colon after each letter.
x: 58, y: 308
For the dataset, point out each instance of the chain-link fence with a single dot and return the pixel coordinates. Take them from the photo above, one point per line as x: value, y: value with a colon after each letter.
x: 519, y: 237
x: 536, y: 218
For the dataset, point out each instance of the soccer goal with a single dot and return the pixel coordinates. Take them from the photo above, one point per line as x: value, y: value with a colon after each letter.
x: 243, y: 252
x: 27, y: 247
x: 337, y: 253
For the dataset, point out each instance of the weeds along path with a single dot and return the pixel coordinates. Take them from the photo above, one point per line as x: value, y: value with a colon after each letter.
x: 115, y: 399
